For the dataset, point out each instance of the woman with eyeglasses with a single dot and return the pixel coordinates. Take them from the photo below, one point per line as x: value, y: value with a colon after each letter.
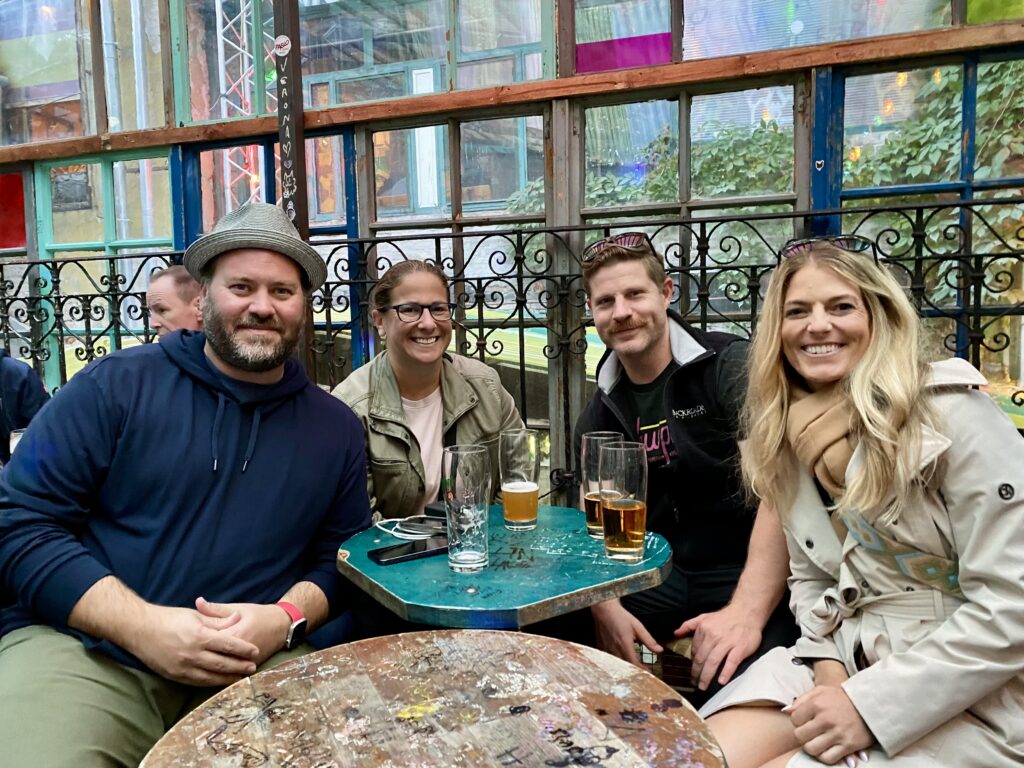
x: 900, y: 486
x: 414, y: 398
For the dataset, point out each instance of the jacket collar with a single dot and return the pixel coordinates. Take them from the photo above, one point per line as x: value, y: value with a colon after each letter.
x: 943, y: 374
x: 685, y: 350
x: 386, y: 400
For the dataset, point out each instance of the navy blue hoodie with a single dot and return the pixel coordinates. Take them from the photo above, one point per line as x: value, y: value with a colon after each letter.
x: 152, y: 466
x: 21, y: 396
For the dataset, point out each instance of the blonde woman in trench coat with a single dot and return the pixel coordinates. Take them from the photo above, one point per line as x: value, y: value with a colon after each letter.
x: 903, y: 495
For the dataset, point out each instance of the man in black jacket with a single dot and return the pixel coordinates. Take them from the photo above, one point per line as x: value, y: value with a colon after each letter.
x: 679, y: 390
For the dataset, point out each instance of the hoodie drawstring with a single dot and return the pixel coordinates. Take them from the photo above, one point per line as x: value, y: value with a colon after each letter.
x: 215, y: 434
x: 253, y: 434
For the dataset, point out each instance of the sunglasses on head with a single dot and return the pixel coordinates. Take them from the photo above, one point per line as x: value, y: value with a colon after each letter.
x: 852, y: 243
x: 622, y: 240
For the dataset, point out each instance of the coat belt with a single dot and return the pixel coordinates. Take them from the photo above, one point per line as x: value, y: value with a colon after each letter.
x: 835, y: 606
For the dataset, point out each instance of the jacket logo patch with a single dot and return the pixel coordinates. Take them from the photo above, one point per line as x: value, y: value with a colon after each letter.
x: 689, y: 413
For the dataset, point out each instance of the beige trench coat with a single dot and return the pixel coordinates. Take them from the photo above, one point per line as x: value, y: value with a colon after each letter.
x: 938, y: 680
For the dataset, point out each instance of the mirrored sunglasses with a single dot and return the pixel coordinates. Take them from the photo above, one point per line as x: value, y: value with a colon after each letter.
x: 852, y: 243
x: 623, y: 240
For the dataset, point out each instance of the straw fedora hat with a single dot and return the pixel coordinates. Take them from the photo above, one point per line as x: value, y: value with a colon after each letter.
x: 257, y: 225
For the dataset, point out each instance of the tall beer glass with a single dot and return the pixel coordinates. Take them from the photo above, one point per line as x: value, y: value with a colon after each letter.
x: 622, y: 468
x: 590, y: 486
x: 519, y: 460
x: 466, y: 486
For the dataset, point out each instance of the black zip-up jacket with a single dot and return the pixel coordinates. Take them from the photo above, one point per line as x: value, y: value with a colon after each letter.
x: 697, y: 503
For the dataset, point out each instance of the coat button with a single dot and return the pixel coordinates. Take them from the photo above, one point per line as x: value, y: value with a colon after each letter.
x: 908, y: 589
x: 864, y: 583
x: 810, y: 544
x: 1006, y: 491
x: 797, y: 662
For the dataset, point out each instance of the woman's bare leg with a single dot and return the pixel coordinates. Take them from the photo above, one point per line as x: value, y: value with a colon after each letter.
x: 751, y: 736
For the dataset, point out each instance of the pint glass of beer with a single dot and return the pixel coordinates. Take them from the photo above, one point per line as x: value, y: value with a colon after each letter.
x: 518, y: 461
x: 590, y: 486
x: 622, y: 469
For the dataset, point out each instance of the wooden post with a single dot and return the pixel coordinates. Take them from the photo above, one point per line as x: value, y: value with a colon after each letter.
x: 292, y: 141
x: 291, y: 136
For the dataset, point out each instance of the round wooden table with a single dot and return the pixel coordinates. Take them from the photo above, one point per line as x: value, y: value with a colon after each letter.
x: 444, y: 698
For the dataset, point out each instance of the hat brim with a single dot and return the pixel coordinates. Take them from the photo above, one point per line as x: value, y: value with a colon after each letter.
x: 209, y: 247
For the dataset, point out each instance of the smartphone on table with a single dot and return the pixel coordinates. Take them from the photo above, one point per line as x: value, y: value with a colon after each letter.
x: 409, y: 550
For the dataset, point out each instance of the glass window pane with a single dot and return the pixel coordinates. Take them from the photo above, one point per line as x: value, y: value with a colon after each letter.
x: 372, y: 88
x: 41, y: 84
x: 411, y: 169
x: 985, y: 11
x: 132, y: 66
x: 424, y: 244
x: 142, y: 199
x: 481, y: 28
x: 76, y: 199
x: 632, y: 154
x: 221, y: 60
x: 325, y: 163
x: 12, y: 212
x: 725, y: 27
x: 633, y: 33
x: 502, y: 159
x: 997, y: 231
x: 902, y: 127
x: 999, y: 145
x: 352, y: 43
x: 506, y: 36
x: 269, y: 62
x: 480, y: 74
x: 232, y: 177
x: 742, y: 143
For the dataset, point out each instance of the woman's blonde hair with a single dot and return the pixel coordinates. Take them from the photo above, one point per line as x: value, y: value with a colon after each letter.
x: 883, y: 389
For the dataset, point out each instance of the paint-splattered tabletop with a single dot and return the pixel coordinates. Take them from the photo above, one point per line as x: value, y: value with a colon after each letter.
x: 445, y: 698
x: 533, y: 575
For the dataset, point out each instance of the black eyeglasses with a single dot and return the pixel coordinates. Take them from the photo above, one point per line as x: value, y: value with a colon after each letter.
x: 412, y: 312
x: 852, y: 243
x: 622, y: 240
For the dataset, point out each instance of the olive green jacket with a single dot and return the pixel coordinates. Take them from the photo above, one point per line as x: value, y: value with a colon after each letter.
x: 476, y: 409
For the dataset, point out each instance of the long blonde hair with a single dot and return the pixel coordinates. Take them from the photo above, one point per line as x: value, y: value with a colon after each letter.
x: 883, y: 389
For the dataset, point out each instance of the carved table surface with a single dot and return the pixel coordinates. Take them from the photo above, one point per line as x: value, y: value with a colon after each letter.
x: 445, y: 698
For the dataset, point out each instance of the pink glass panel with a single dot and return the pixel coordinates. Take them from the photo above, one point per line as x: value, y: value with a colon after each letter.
x: 638, y: 51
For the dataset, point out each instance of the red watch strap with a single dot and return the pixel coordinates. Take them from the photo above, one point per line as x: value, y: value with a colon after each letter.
x: 292, y: 611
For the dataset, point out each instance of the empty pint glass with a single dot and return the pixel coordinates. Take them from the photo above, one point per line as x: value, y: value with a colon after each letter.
x: 519, y: 459
x: 466, y: 486
x: 590, y: 488
x: 622, y: 469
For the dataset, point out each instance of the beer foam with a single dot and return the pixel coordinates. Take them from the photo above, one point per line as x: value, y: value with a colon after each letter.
x: 519, y: 486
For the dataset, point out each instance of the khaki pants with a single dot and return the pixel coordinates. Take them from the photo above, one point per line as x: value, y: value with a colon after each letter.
x: 62, y: 706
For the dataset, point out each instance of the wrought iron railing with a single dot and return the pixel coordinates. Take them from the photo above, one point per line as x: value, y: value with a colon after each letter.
x: 522, y: 306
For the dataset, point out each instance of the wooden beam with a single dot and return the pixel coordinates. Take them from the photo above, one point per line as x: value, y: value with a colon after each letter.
x: 899, y: 49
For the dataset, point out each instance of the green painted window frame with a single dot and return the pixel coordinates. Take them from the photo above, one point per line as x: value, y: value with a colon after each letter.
x: 109, y: 246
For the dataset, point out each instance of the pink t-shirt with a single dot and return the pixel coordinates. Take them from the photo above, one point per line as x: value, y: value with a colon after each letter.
x: 426, y: 422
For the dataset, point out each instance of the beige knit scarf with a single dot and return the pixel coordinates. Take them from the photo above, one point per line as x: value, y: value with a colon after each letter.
x: 819, y: 431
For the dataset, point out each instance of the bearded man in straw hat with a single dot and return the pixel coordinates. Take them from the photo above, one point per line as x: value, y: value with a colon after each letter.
x: 170, y: 522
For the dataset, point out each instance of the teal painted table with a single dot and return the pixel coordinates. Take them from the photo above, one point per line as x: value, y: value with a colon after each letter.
x: 532, y: 575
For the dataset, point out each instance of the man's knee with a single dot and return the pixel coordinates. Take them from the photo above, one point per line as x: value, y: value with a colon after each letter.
x: 65, y: 706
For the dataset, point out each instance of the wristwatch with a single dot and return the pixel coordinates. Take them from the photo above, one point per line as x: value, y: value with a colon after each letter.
x: 297, y: 631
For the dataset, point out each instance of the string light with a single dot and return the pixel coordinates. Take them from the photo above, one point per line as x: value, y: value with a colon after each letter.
x: 901, y: 79
x: 854, y: 154
x: 937, y: 76
x: 888, y: 107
